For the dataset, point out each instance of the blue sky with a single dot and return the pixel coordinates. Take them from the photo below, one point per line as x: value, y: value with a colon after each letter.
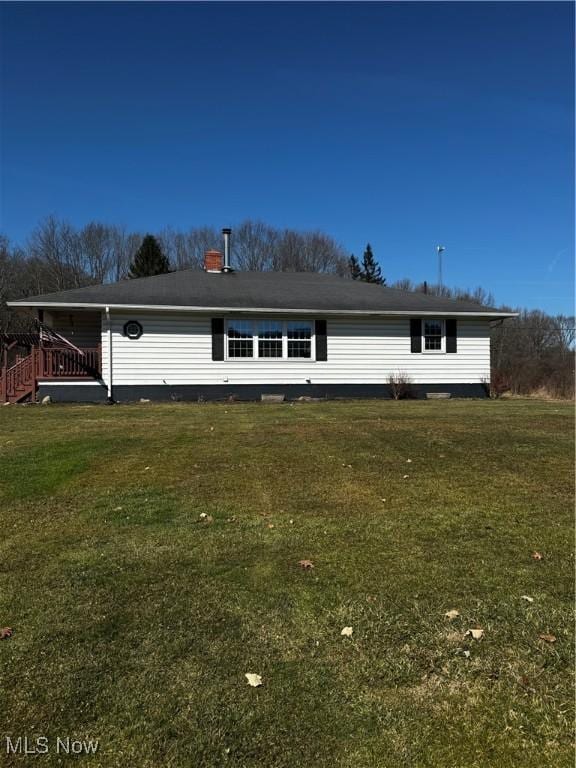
x: 402, y: 124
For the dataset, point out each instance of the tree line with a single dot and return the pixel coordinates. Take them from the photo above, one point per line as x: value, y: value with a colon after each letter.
x: 57, y: 256
x: 533, y: 352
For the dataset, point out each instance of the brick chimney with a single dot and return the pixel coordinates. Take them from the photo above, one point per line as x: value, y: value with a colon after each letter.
x: 213, y: 261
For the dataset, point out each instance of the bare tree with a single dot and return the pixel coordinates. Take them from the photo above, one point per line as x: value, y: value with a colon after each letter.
x: 57, y: 245
x: 96, y: 251
x: 254, y: 246
x: 309, y: 252
x: 478, y: 296
x: 7, y: 280
x: 185, y: 250
x: 124, y: 247
x: 404, y: 285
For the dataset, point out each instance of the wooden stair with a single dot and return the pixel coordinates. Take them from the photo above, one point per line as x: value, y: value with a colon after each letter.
x: 18, y: 383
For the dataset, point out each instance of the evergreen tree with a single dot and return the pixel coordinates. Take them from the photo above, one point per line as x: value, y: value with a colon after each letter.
x: 371, y: 272
x: 354, y: 267
x: 149, y: 259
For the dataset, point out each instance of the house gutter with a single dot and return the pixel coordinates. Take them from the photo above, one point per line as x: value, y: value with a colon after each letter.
x: 265, y: 310
x: 109, y: 342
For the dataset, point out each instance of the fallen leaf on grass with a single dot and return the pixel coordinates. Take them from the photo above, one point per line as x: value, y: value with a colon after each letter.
x: 253, y: 679
x: 527, y: 598
x: 452, y: 614
x: 525, y: 683
x: 307, y: 565
x: 5, y: 633
x: 347, y: 632
x: 477, y: 634
x: 270, y: 525
x: 537, y: 556
x: 548, y: 638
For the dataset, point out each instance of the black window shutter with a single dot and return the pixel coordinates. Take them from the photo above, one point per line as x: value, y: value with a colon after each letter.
x: 217, y: 338
x: 415, y: 335
x: 451, y: 343
x: 321, y: 341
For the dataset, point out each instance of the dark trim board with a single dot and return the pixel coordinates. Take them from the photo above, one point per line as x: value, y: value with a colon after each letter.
x: 73, y: 393
x: 190, y: 392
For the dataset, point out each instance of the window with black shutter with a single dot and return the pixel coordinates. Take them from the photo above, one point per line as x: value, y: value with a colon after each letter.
x: 415, y: 335
x: 217, y: 338
x: 451, y: 335
x: 321, y: 340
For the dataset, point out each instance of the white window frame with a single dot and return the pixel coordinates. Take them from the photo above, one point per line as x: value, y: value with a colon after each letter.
x: 255, y: 358
x: 442, y: 323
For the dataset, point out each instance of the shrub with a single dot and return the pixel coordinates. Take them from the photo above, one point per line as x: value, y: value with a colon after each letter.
x: 499, y: 383
x: 400, y: 385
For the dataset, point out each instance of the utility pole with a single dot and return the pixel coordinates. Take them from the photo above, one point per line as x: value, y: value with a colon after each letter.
x: 439, y: 250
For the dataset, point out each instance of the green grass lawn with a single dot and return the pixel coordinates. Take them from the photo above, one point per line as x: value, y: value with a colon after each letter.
x: 135, y: 622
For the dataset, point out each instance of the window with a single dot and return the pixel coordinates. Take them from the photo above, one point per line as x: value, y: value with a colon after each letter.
x: 299, y: 339
x: 270, y: 339
x: 240, y: 338
x: 433, y: 336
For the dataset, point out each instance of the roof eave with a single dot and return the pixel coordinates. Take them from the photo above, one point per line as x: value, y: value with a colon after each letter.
x: 260, y: 310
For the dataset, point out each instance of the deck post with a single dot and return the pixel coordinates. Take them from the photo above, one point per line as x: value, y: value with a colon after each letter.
x: 3, y: 370
x: 34, y: 371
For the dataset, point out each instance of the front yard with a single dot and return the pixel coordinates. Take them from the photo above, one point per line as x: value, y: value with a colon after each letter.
x: 135, y: 619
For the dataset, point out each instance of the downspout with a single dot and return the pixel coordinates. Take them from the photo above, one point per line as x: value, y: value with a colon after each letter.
x: 109, y: 340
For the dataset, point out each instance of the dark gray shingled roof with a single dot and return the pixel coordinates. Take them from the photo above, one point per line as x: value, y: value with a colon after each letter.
x: 276, y: 291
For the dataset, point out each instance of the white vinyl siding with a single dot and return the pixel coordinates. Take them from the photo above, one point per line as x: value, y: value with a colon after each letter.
x: 176, y: 348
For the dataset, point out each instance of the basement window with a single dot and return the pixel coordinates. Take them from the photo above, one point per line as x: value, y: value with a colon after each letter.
x: 270, y: 339
x: 434, y: 336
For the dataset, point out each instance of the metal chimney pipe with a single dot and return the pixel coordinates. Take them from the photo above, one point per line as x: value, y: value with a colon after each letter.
x: 227, y: 232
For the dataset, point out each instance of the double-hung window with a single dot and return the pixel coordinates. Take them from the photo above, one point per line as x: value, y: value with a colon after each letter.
x: 433, y: 336
x: 240, y: 338
x: 299, y: 337
x: 270, y: 339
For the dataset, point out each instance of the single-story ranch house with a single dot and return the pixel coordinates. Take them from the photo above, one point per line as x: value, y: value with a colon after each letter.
x: 218, y: 333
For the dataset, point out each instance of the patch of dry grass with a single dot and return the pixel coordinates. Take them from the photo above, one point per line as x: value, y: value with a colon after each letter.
x: 135, y: 621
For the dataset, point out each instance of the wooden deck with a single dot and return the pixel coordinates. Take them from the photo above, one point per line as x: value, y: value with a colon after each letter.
x: 19, y: 381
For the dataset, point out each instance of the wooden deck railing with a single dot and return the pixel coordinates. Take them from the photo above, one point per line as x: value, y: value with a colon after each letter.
x: 20, y: 379
x: 64, y: 362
